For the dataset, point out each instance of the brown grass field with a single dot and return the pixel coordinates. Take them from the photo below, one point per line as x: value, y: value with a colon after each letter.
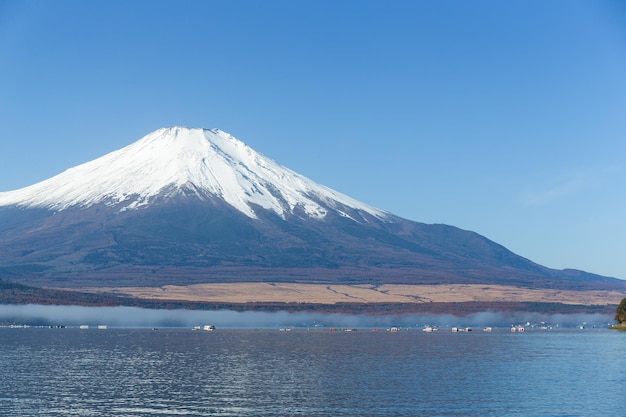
x: 333, y: 294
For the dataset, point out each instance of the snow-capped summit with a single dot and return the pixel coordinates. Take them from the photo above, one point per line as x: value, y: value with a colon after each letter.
x: 206, y: 162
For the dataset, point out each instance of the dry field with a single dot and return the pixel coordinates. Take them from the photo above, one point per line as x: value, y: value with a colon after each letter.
x: 332, y: 294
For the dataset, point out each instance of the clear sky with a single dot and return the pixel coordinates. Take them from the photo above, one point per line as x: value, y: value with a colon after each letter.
x: 507, y: 118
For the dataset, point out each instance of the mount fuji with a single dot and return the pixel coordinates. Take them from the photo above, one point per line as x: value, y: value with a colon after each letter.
x: 184, y: 206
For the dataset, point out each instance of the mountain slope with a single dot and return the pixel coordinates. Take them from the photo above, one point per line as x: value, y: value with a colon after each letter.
x: 184, y: 206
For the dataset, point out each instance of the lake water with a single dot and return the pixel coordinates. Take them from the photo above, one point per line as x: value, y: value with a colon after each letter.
x: 179, y: 372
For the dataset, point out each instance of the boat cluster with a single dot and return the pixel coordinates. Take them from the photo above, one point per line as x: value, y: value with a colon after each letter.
x: 461, y: 329
x: 206, y: 327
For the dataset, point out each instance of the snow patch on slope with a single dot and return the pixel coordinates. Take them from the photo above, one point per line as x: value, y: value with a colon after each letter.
x: 212, y: 163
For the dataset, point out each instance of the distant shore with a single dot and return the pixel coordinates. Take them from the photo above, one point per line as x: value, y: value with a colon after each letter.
x: 459, y: 299
x: 361, y: 293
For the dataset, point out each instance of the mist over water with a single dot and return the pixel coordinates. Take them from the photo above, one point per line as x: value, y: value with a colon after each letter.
x: 133, y: 317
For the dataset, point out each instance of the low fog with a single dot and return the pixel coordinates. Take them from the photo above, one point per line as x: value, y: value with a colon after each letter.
x: 132, y: 317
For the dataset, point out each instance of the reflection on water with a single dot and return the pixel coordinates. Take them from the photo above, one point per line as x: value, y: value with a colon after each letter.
x: 66, y: 372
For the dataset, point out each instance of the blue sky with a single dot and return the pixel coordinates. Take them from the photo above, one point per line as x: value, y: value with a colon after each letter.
x: 505, y: 118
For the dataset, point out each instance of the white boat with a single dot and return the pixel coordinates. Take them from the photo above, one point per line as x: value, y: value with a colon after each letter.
x: 208, y: 327
x: 487, y: 329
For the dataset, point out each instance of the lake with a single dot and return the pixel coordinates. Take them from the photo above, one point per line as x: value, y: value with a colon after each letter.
x: 180, y: 372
